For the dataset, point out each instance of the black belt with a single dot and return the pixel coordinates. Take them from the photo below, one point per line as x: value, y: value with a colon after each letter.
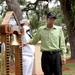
x: 52, y: 52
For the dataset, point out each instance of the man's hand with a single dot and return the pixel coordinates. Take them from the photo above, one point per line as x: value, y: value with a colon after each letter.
x: 24, y: 43
x: 63, y: 61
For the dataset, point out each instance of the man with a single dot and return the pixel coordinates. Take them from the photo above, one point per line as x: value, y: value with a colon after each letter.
x: 52, y: 44
x: 28, y: 50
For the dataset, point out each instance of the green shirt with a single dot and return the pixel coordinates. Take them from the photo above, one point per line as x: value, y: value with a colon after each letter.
x: 51, y: 39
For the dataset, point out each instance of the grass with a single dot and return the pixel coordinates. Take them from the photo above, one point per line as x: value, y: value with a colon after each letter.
x: 71, y: 66
x: 71, y: 70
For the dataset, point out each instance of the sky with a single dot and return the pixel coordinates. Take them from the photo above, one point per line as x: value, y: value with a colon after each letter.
x: 31, y: 1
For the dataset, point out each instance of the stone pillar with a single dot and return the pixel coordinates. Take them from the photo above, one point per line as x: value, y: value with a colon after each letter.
x: 37, y: 60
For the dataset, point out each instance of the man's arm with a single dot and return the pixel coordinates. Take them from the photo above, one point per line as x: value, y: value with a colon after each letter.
x: 62, y: 46
x: 34, y: 40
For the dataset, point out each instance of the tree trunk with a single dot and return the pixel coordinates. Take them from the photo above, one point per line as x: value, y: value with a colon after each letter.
x: 71, y: 33
x: 13, y: 5
x: 70, y: 23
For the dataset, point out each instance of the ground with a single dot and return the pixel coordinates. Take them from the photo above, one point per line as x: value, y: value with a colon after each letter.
x: 64, y: 68
x: 68, y: 61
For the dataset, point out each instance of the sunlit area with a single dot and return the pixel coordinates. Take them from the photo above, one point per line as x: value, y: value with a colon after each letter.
x: 32, y: 1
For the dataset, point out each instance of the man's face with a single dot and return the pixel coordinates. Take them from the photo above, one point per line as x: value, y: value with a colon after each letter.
x: 50, y: 21
x: 27, y: 24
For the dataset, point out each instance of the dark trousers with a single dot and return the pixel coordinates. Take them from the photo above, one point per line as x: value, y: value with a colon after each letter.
x: 51, y: 63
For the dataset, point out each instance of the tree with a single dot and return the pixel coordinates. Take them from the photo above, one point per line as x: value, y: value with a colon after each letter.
x: 14, y: 6
x: 68, y: 8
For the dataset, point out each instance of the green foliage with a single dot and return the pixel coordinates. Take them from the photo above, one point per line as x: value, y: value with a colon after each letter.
x: 1, y: 1
x: 72, y: 12
x: 4, y: 8
x: 34, y: 22
x: 22, y: 2
x: 1, y: 20
x: 72, y: 2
